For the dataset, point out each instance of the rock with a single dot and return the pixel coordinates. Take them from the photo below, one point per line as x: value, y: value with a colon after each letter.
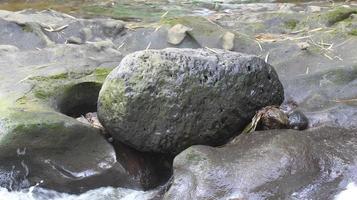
x: 167, y: 100
x: 31, y: 29
x: 303, y: 45
x: 298, y: 120
x: 40, y: 142
x: 228, y: 41
x: 176, y: 34
x: 143, y: 38
x: 206, y: 33
x: 74, y: 40
x: 274, y: 164
x: 59, y: 152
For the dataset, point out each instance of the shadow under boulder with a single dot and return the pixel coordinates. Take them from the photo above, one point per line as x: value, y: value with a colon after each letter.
x: 78, y: 99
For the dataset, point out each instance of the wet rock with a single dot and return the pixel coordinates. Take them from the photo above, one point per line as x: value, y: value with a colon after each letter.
x: 167, y: 100
x: 59, y: 153
x: 274, y: 164
x: 338, y: 14
x: 32, y: 29
x: 38, y: 142
x: 298, y: 120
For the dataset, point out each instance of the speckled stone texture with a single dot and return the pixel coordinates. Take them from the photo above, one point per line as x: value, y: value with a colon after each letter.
x: 167, y: 100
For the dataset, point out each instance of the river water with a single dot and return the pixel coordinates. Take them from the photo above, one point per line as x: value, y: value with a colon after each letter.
x: 105, y: 193
x: 128, y: 10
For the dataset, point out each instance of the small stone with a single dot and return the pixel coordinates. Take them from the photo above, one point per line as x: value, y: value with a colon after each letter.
x: 74, y: 40
x: 303, y: 45
x: 298, y: 120
x: 228, y: 41
x: 177, y: 34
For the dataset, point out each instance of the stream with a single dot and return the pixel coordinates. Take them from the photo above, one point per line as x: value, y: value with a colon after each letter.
x: 322, y: 80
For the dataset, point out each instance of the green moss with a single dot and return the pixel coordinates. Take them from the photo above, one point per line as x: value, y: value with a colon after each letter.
x: 23, y: 100
x: 192, y: 157
x: 101, y: 73
x: 291, y: 24
x: 26, y: 28
x: 338, y: 14
x: 54, y: 77
x: 42, y: 94
x: 130, y: 12
x: 115, y: 100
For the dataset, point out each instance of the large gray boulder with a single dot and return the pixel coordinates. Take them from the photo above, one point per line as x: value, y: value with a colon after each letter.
x: 274, y: 164
x: 167, y: 100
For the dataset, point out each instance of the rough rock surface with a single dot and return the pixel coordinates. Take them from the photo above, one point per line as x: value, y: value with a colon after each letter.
x: 275, y: 164
x: 167, y: 100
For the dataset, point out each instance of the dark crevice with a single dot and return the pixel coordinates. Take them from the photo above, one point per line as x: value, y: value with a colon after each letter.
x: 78, y: 99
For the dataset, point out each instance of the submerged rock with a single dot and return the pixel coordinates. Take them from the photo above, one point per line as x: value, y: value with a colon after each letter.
x: 274, y: 164
x: 167, y: 100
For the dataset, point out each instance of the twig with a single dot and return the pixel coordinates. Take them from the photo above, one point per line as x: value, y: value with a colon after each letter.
x: 266, y: 57
x: 298, y: 31
x: 338, y: 58
x: 122, y: 44
x: 148, y: 46
x: 260, y: 46
x: 157, y: 28
x: 314, y: 30
x: 344, y: 100
x: 211, y: 50
x: 164, y: 15
x: 298, y: 38
x: 24, y: 79
x: 327, y: 56
x: 51, y: 29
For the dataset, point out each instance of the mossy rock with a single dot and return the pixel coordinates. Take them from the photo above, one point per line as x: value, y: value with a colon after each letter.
x: 338, y: 14
x: 167, y: 100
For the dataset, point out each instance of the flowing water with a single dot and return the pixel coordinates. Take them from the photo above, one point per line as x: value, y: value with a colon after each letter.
x: 105, y: 193
x: 128, y: 10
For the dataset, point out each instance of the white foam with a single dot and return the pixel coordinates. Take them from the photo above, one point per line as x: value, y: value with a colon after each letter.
x: 349, y: 194
x: 105, y: 193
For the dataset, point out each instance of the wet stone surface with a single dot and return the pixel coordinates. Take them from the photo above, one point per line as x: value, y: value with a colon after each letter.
x: 47, y: 56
